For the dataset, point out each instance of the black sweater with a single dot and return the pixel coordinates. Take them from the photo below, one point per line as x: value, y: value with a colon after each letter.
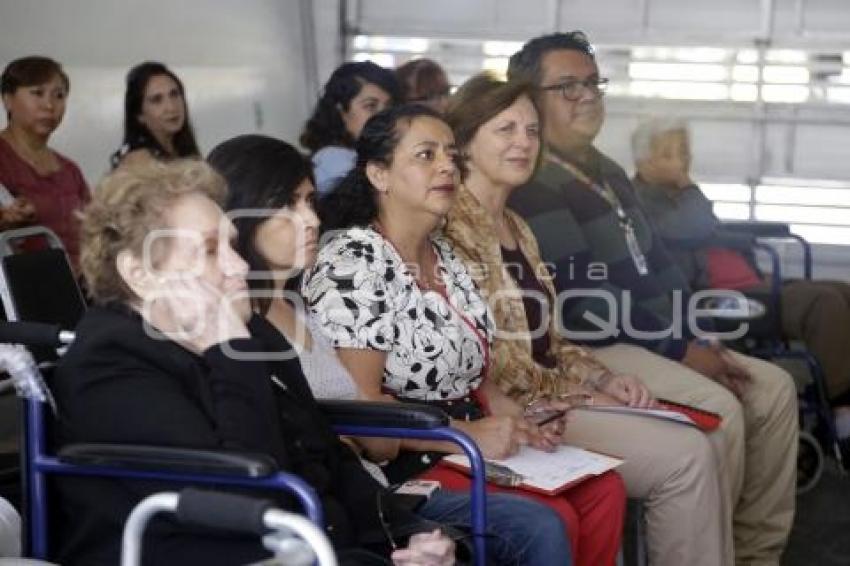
x: 117, y: 384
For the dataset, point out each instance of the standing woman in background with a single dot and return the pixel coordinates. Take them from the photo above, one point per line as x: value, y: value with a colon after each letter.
x: 423, y: 81
x: 156, y: 117
x: 41, y: 186
x: 353, y: 94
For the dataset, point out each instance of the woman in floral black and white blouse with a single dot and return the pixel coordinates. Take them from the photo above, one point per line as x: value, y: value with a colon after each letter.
x: 405, y: 316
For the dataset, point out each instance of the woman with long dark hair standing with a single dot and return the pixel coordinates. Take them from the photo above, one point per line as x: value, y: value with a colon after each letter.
x: 156, y: 117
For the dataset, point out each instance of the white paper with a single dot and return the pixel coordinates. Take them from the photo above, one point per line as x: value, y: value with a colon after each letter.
x: 552, y: 470
x: 655, y: 413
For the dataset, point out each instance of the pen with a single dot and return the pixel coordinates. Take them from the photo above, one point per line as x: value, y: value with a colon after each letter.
x: 554, y: 416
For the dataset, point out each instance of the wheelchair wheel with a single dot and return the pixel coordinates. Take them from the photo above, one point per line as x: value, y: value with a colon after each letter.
x: 810, y: 462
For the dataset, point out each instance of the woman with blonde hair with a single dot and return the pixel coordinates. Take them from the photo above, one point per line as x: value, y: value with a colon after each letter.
x: 157, y: 361
x: 497, y: 126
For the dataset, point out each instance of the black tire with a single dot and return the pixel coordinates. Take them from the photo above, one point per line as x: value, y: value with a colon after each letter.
x: 810, y: 462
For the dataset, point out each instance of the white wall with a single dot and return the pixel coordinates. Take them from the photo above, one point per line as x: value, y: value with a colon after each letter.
x: 242, y: 63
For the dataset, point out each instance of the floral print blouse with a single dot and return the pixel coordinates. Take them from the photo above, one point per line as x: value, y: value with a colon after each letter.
x: 362, y: 295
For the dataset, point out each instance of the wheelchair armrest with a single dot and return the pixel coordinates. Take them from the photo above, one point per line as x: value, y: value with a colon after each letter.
x: 779, y: 230
x: 383, y: 414
x: 165, y: 459
x: 759, y: 229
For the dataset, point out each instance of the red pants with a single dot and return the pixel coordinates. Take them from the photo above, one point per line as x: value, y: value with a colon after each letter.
x: 592, y: 511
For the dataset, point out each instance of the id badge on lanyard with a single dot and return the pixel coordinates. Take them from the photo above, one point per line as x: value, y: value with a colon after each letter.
x: 634, y: 248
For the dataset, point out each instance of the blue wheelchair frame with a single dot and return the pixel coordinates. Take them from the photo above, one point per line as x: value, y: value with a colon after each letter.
x: 399, y: 420
x: 814, y: 396
x: 38, y: 464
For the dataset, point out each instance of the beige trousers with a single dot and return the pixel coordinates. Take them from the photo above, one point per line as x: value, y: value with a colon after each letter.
x: 670, y: 467
x: 755, y: 447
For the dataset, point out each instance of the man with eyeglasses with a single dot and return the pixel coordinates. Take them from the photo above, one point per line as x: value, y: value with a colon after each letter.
x: 621, y: 292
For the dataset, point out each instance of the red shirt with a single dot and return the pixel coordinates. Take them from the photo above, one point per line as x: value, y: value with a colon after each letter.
x: 56, y: 196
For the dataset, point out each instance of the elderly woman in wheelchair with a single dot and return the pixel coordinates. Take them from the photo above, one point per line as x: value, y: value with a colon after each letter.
x: 173, y: 355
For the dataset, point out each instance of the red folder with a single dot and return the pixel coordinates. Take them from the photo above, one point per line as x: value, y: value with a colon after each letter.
x: 705, y: 420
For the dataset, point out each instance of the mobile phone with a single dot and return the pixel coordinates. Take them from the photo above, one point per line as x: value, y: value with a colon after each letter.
x: 425, y: 488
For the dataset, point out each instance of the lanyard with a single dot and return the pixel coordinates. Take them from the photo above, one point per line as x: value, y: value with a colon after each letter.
x: 440, y: 289
x: 607, y: 194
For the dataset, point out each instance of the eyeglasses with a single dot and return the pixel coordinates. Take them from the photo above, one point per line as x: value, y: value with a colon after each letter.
x: 572, y: 90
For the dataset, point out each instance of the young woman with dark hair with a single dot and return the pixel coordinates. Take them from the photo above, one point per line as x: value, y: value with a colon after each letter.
x: 271, y: 205
x: 156, y: 117
x: 407, y: 319
x: 353, y: 94
x: 39, y: 185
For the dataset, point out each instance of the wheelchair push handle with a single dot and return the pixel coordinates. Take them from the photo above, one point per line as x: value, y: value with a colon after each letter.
x: 293, y: 539
x: 34, y: 334
x: 226, y: 511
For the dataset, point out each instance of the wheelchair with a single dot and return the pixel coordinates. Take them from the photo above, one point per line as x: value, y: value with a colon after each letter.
x: 765, y: 340
x: 39, y: 286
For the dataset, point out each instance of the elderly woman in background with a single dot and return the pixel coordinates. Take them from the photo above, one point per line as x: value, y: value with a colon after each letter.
x: 669, y: 466
x: 37, y: 184
x: 153, y: 364
x: 423, y: 81
x: 355, y: 92
x: 711, y: 256
x: 156, y: 117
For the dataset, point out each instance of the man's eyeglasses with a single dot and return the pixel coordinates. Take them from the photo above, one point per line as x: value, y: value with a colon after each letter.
x: 572, y: 90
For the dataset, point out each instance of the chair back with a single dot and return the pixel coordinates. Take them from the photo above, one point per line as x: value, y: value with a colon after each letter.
x: 39, y: 285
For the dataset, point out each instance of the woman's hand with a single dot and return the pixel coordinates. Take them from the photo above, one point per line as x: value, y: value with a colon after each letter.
x: 192, y: 312
x: 547, y: 420
x: 549, y: 436
x: 497, y: 437
x: 426, y: 549
x: 20, y: 213
x: 628, y: 390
